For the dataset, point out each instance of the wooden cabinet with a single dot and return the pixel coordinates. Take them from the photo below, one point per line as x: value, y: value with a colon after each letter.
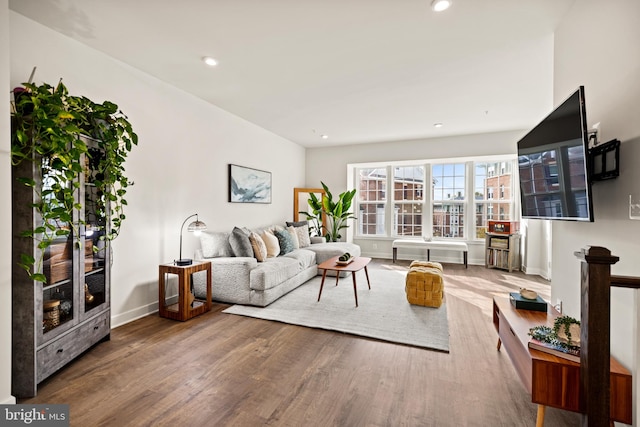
x: 502, y: 251
x: 551, y: 380
x: 56, y: 321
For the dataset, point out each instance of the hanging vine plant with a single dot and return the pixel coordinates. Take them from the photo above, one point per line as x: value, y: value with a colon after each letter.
x: 48, y: 126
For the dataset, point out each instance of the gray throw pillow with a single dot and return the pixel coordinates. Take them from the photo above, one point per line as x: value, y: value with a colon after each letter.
x: 240, y: 243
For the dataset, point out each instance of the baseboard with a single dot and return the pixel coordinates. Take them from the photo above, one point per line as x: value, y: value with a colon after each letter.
x: 135, y: 314
x: 10, y: 400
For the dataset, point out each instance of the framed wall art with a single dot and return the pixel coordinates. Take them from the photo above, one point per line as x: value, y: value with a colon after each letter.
x: 247, y: 185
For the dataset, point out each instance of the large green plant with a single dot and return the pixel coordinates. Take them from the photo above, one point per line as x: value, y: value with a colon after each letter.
x: 47, y: 124
x: 337, y: 212
x: 315, y: 215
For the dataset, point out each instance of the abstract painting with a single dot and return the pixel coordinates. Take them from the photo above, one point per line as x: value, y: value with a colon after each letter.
x: 247, y: 185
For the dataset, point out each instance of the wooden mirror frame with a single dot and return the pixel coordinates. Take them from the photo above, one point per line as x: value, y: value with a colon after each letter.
x: 296, y: 205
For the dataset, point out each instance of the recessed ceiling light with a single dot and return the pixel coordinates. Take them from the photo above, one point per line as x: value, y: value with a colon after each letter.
x: 324, y: 136
x: 210, y: 61
x: 437, y: 125
x: 440, y: 5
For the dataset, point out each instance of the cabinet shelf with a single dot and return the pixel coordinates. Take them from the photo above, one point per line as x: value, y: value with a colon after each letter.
x: 502, y: 251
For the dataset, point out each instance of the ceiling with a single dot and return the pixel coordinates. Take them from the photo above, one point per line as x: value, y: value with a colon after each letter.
x: 355, y: 70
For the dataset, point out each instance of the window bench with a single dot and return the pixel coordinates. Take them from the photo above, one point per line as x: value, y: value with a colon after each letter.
x: 428, y: 245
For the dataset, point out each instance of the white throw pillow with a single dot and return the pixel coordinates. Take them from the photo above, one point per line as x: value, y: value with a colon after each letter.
x: 294, y: 237
x: 271, y: 242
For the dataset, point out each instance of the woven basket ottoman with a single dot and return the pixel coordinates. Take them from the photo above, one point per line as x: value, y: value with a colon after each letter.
x: 424, y: 284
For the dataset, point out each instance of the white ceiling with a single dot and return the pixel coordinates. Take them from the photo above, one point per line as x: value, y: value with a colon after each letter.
x: 355, y: 70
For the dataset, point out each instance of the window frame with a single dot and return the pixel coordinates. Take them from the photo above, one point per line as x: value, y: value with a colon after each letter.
x: 469, y: 204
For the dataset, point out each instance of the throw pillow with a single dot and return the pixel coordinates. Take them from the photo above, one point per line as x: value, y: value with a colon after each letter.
x: 294, y: 237
x: 303, y: 235
x: 271, y: 242
x: 297, y: 223
x: 285, y: 241
x: 259, y: 248
x: 302, y: 231
x: 240, y: 244
x: 215, y: 244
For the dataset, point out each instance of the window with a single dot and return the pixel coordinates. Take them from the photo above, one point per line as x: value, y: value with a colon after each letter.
x: 448, y: 183
x: 408, y: 185
x: 442, y: 199
x: 487, y: 181
x: 371, y: 195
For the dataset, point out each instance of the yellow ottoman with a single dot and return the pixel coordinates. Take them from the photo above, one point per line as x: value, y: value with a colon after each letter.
x: 431, y: 264
x: 424, y: 286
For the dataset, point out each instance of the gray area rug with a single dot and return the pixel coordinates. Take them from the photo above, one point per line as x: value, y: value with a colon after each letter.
x: 383, y: 312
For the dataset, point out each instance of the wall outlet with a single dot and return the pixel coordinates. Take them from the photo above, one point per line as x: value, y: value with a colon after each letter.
x: 558, y: 305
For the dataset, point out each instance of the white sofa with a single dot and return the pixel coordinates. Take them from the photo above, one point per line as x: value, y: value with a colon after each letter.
x: 245, y: 280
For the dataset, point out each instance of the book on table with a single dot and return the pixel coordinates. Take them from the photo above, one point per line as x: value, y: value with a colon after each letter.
x: 570, y: 352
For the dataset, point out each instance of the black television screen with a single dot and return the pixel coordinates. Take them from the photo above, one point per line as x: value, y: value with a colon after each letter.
x: 553, y: 165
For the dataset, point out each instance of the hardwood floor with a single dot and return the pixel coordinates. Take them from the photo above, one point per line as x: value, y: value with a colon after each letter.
x: 226, y: 370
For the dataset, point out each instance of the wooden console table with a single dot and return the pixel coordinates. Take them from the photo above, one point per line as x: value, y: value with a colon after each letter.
x: 552, y: 381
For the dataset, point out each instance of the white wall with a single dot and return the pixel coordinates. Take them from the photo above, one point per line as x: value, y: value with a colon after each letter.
x: 329, y: 164
x: 5, y: 213
x: 179, y: 167
x: 596, y: 45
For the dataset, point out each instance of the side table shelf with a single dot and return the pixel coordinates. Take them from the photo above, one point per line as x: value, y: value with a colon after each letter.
x: 187, y: 306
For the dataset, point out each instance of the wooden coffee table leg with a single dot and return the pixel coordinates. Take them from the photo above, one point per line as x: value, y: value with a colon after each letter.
x: 355, y: 290
x: 366, y: 272
x: 337, y: 277
x: 324, y: 274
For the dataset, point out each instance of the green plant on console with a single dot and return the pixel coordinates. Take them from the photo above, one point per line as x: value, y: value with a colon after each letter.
x: 338, y: 211
x: 47, y: 125
x: 550, y: 335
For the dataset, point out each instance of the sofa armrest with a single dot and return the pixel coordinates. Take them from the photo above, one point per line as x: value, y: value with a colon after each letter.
x: 229, y: 277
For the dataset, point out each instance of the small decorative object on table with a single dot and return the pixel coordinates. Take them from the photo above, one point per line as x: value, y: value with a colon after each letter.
x: 345, y: 259
x: 520, y: 302
x: 563, y: 340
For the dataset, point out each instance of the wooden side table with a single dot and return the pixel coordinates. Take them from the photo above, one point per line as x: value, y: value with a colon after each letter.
x: 184, y: 309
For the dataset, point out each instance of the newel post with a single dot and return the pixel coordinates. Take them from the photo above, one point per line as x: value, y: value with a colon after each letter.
x: 595, y: 326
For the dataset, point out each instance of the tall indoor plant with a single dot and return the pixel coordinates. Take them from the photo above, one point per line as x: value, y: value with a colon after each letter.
x: 337, y: 212
x: 47, y: 125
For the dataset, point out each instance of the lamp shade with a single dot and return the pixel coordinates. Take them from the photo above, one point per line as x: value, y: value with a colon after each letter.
x: 195, y: 226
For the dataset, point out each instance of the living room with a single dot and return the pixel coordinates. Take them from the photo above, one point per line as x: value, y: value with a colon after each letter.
x: 180, y: 166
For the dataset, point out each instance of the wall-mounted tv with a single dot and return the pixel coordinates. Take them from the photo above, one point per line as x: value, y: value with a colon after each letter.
x: 553, y: 165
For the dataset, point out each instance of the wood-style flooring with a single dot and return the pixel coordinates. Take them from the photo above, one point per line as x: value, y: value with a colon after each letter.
x: 226, y: 370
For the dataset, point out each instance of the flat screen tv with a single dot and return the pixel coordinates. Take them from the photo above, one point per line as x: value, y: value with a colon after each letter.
x: 553, y: 165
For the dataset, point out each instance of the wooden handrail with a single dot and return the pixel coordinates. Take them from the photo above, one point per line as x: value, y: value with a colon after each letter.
x: 625, y: 282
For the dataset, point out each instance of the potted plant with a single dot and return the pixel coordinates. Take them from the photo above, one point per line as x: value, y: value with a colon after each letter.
x: 47, y: 125
x: 337, y: 212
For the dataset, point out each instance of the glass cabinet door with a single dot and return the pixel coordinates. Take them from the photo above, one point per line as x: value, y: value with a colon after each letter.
x: 95, y: 253
x: 57, y: 262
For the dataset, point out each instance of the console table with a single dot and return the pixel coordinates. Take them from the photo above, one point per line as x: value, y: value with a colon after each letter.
x: 552, y: 381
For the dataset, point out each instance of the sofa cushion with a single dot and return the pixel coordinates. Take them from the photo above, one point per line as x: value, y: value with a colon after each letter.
x: 284, y: 240
x: 304, y: 257
x: 324, y: 251
x: 240, y: 243
x: 215, y: 244
x: 258, y: 246
x: 271, y: 242
x: 273, y: 272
